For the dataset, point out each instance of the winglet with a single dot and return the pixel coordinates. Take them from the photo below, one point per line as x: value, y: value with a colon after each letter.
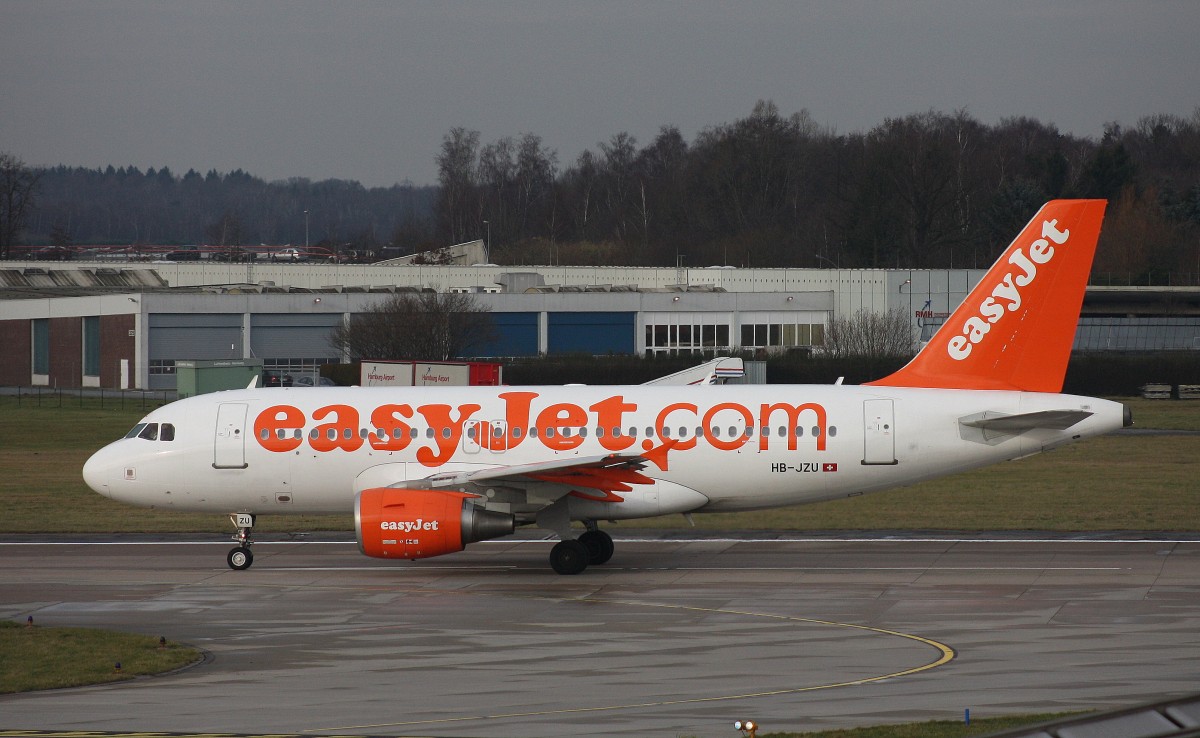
x: 1016, y: 328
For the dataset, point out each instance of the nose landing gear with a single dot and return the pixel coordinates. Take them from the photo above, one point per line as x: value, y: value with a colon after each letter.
x: 241, y: 557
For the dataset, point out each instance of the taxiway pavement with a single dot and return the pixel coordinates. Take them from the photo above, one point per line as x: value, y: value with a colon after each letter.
x: 673, y: 637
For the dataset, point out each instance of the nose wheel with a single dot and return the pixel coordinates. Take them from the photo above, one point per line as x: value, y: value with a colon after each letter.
x: 241, y: 557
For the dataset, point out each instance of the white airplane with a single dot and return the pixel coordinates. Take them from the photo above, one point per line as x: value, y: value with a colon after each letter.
x: 426, y: 471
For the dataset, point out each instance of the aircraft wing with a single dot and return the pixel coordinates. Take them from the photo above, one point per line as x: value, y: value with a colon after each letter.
x: 619, y: 469
x: 717, y: 371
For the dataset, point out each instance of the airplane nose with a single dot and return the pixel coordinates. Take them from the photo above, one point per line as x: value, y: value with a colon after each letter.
x: 97, y: 472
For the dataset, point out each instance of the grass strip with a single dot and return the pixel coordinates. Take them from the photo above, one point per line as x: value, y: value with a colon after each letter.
x: 34, y: 657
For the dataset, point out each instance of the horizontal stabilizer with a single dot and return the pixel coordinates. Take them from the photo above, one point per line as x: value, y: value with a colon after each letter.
x: 1015, y: 424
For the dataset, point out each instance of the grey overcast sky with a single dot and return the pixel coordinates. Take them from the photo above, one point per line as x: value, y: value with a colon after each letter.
x: 367, y: 90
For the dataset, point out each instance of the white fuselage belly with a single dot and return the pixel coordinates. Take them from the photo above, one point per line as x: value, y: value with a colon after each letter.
x: 868, y: 438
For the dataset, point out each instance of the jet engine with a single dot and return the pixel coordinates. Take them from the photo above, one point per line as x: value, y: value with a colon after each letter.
x: 416, y: 523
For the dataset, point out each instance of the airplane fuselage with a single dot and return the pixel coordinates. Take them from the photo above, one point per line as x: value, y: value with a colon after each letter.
x: 710, y: 448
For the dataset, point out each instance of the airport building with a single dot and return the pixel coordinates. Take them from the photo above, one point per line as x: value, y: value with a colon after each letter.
x: 125, y: 325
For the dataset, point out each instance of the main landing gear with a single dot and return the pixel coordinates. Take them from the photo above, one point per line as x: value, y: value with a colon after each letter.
x: 573, y: 555
x: 241, y: 557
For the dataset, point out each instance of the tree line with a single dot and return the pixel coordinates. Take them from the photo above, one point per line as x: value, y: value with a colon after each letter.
x: 75, y: 206
x: 929, y: 190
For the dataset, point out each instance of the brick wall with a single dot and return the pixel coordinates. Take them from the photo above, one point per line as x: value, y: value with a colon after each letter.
x: 116, y: 344
x: 16, y: 352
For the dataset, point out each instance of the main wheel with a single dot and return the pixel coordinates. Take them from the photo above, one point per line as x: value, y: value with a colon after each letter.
x: 569, y: 557
x: 599, y: 545
x: 240, y: 558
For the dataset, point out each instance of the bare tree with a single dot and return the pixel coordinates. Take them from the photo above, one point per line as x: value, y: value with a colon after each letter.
x: 872, y: 335
x: 417, y: 326
x: 18, y: 190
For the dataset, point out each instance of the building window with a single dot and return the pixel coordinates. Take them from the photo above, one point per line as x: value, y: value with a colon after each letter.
x: 91, y: 346
x: 41, y: 346
x: 782, y: 335
x: 161, y: 366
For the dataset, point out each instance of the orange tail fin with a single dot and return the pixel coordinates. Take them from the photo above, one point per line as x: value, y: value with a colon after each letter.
x: 1015, y: 330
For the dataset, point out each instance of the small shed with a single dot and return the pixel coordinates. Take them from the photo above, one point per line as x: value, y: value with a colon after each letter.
x: 200, y: 376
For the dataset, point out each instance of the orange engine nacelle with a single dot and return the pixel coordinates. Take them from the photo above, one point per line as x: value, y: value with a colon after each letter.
x: 417, y: 523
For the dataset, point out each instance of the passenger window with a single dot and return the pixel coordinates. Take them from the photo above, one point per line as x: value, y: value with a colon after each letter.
x: 716, y: 432
x: 412, y: 433
x: 314, y: 434
x: 445, y: 432
x: 799, y: 431
x: 498, y: 432
x: 583, y: 432
x: 150, y: 432
x: 471, y: 432
x: 632, y: 432
x: 167, y: 433
x: 832, y: 431
x: 332, y: 434
x: 265, y: 434
x: 516, y: 432
x: 429, y: 432
x: 816, y: 431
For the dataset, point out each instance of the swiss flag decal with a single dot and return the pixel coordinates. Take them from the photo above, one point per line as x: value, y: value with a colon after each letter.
x: 828, y: 467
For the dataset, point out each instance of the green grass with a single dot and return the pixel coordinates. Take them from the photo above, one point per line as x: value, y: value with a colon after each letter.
x: 1110, y: 483
x: 48, y: 658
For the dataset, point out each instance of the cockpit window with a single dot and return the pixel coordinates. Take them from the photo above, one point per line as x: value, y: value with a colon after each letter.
x: 153, y: 431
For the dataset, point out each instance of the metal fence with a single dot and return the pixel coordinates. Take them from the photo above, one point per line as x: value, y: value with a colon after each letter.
x: 105, y: 399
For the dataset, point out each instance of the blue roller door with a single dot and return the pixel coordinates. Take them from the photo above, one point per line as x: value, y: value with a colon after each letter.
x: 591, y: 333
x: 514, y: 334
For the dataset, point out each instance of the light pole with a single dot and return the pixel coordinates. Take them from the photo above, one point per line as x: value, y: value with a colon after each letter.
x: 306, y: 231
x: 826, y: 258
x: 487, y: 245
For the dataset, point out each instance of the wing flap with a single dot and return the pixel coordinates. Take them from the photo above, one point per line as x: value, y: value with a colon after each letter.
x: 589, y: 471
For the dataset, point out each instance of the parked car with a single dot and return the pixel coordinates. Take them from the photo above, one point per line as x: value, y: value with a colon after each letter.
x: 288, y: 254
x: 307, y: 381
x: 185, y: 253
x: 233, y: 253
x: 276, y: 378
